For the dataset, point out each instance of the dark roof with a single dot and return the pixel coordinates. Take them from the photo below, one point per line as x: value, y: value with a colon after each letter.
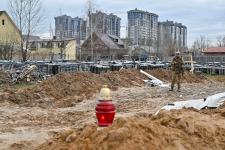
x: 4, y: 12
x: 109, y: 40
x: 214, y: 50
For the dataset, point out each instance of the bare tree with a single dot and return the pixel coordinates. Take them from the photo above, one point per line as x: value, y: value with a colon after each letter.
x: 200, y: 45
x: 7, y: 45
x: 90, y: 10
x: 221, y: 41
x: 33, y: 18
x: 171, y: 48
x: 17, y: 10
x: 27, y: 15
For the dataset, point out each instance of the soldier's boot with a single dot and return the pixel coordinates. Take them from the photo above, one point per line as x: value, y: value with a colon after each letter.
x: 171, y: 89
x: 178, y: 89
x: 172, y: 84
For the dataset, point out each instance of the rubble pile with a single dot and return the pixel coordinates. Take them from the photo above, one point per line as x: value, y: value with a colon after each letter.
x: 180, y: 129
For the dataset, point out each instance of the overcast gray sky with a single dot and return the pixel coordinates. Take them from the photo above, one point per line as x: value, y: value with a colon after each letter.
x: 202, y: 17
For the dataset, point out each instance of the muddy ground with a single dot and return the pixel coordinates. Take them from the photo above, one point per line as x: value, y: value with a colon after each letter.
x: 27, y: 124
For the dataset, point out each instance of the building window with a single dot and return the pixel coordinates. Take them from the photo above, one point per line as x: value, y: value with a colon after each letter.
x: 3, y: 22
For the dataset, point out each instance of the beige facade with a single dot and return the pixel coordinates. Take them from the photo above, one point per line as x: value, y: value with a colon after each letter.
x: 9, y: 33
x: 10, y: 37
x: 51, y: 49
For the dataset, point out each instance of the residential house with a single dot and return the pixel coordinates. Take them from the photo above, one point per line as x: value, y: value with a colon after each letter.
x: 52, y: 49
x: 214, y: 51
x: 103, y: 47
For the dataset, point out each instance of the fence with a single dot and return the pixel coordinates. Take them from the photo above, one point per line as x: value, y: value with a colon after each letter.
x: 207, y: 59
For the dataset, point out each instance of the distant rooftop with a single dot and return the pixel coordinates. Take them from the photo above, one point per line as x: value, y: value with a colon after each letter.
x: 171, y: 23
x: 100, y: 12
x: 141, y: 11
x: 214, y: 50
x: 65, y: 16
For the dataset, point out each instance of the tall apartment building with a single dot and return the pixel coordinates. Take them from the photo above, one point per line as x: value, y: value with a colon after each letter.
x: 102, y: 23
x: 142, y: 27
x: 172, y: 37
x: 67, y: 27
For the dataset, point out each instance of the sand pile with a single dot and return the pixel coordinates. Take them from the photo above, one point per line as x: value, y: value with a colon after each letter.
x: 181, y: 129
x: 166, y: 75
x: 84, y: 83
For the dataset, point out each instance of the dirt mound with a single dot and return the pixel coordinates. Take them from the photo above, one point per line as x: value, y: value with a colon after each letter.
x: 65, y: 89
x: 218, y: 78
x: 184, y: 129
x: 84, y: 83
x: 166, y: 75
x: 4, y: 78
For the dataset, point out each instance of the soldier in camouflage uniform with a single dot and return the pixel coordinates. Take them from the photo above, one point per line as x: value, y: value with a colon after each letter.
x: 177, y: 71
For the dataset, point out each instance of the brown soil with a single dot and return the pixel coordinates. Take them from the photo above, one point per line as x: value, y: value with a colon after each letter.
x: 184, y: 129
x: 64, y: 90
x: 218, y: 78
x: 166, y: 75
x: 4, y: 78
x: 27, y: 128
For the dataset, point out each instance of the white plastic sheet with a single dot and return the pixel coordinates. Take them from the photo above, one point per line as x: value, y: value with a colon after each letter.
x: 154, y: 81
x: 213, y: 101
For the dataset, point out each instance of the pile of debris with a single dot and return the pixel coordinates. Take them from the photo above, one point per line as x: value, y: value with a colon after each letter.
x: 178, y: 129
x: 27, y: 73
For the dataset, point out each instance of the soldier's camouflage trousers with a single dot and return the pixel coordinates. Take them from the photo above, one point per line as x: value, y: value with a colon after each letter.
x: 175, y: 78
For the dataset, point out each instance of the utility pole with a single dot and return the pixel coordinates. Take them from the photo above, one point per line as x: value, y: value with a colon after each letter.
x: 92, y: 51
x: 80, y: 37
x: 52, y: 40
x: 61, y: 36
x: 61, y: 46
x: 149, y: 41
x: 90, y: 11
